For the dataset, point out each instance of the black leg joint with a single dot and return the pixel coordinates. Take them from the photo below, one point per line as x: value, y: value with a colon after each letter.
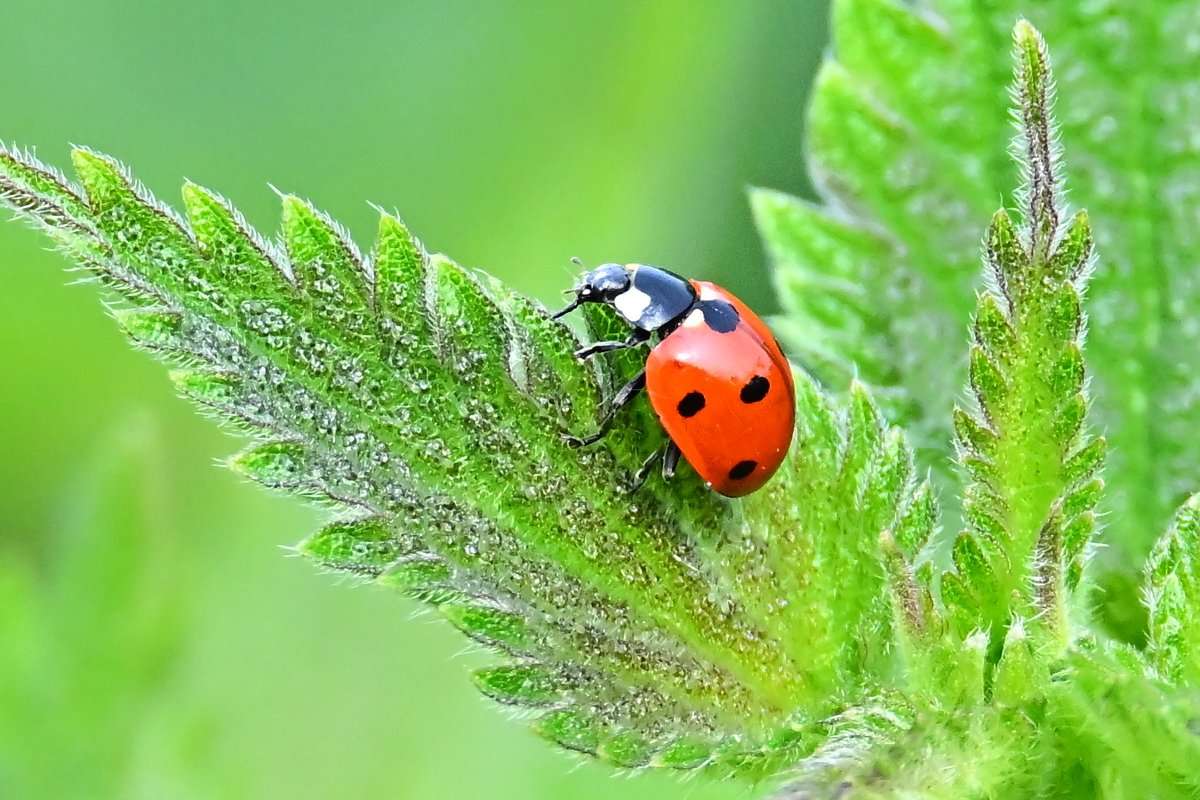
x: 623, y: 398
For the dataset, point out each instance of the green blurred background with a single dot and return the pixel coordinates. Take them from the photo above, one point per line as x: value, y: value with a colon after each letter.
x: 156, y: 639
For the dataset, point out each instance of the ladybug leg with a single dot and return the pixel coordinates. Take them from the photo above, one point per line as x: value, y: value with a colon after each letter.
x: 670, y: 460
x: 635, y: 338
x: 644, y: 470
x: 669, y: 456
x: 622, y: 398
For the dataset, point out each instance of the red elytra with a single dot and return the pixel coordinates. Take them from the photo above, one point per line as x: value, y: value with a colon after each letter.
x: 726, y: 399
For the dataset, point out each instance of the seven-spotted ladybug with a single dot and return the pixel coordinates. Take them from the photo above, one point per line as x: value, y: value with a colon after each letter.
x: 717, y: 379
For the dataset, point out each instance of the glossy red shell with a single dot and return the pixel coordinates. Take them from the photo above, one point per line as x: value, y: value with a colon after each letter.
x: 728, y: 432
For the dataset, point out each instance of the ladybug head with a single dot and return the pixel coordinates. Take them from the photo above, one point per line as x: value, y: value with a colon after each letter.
x: 600, y: 285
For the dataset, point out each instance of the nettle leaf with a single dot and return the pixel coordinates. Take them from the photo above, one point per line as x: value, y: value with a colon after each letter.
x: 985, y: 642
x: 876, y: 279
x: 1172, y: 596
x: 1116, y: 712
x: 425, y: 404
x: 1025, y: 449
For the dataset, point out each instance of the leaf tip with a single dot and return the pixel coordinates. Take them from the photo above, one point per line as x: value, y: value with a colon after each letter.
x: 149, y: 327
x: 1002, y: 238
x: 522, y: 685
x: 391, y: 225
x: 96, y: 168
x: 1023, y: 31
x: 192, y: 192
x: 1031, y: 56
x: 493, y: 627
x: 293, y: 207
x: 85, y: 158
x: 570, y: 729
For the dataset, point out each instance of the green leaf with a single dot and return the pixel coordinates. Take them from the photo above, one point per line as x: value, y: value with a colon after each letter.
x: 987, y: 639
x: 1042, y: 451
x: 491, y: 626
x: 425, y: 404
x: 902, y: 129
x: 1172, y: 597
x: 366, y: 546
x: 1025, y: 447
x: 816, y: 629
x: 827, y: 321
x: 869, y: 756
x: 1115, y: 712
x: 519, y: 686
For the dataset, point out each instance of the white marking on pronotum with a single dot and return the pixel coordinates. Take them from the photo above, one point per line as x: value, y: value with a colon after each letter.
x: 694, y: 319
x: 708, y: 293
x: 632, y: 303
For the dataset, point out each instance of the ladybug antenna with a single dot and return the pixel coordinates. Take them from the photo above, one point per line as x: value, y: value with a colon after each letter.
x: 578, y: 301
x: 577, y: 261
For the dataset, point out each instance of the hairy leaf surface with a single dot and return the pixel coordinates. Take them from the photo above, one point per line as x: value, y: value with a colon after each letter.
x: 426, y: 404
x: 877, y: 277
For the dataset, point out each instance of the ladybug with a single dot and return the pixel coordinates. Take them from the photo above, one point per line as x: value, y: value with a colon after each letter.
x: 716, y: 377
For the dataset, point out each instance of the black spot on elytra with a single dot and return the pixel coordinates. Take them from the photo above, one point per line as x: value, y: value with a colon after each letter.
x: 691, y: 404
x: 755, y: 389
x: 742, y: 469
x: 719, y: 315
